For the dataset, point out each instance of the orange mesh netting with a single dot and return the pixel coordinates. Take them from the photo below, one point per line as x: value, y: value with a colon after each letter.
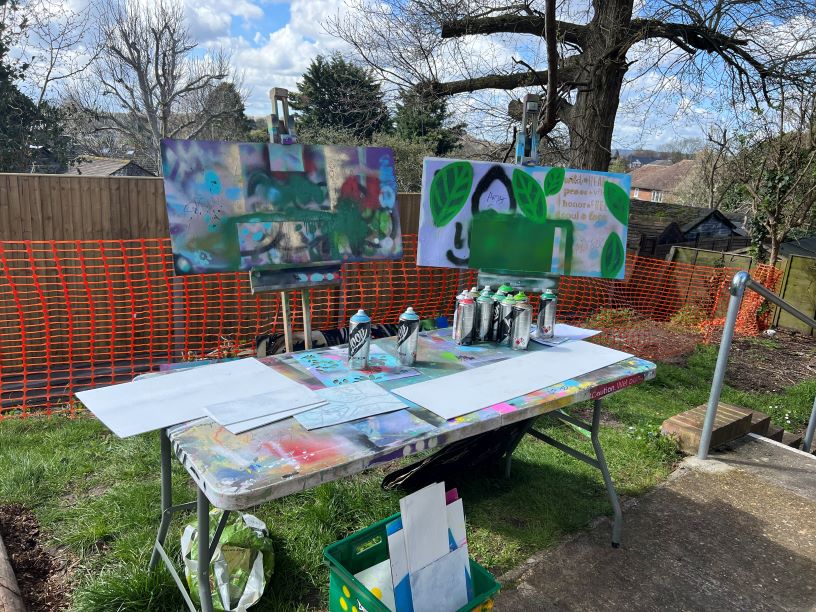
x: 79, y: 314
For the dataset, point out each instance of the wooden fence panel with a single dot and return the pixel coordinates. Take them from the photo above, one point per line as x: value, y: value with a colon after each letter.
x: 69, y: 207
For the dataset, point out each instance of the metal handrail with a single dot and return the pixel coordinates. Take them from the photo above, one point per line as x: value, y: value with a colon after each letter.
x: 742, y: 281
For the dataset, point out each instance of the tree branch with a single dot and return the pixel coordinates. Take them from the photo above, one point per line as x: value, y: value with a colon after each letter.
x: 572, y: 33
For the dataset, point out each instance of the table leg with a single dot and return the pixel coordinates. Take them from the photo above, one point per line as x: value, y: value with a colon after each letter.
x: 610, y: 486
x: 166, y: 497
x: 204, y: 592
x: 598, y: 462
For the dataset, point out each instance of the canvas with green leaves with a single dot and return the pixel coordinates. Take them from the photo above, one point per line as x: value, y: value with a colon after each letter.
x: 523, y: 219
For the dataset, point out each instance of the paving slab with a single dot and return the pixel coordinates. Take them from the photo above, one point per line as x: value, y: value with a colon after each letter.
x: 726, y: 534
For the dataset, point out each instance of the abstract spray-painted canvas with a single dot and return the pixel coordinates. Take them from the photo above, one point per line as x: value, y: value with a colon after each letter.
x: 235, y: 206
x: 523, y: 219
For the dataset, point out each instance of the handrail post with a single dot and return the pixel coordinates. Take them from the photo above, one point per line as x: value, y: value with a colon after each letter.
x: 811, y: 428
x: 738, y: 284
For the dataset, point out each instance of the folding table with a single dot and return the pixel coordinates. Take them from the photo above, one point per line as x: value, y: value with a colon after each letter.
x: 236, y: 472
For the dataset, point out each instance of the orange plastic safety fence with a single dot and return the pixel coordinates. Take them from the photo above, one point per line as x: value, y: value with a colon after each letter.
x: 79, y: 314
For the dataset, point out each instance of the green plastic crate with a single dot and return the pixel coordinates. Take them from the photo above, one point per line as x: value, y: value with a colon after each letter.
x: 368, y: 547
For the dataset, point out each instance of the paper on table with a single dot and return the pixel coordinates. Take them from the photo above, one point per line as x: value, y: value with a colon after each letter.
x: 564, y: 333
x: 349, y: 403
x: 143, y: 405
x: 425, y: 523
x: 243, y: 426
x: 457, y: 394
x: 287, y: 396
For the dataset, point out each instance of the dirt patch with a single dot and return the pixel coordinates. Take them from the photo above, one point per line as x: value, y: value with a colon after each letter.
x: 42, y: 575
x: 651, y: 340
x: 771, y: 364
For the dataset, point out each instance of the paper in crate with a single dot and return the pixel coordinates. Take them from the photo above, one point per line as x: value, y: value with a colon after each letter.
x: 427, y: 545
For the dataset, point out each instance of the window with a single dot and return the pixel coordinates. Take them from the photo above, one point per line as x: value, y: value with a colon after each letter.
x: 657, y: 196
x: 636, y: 193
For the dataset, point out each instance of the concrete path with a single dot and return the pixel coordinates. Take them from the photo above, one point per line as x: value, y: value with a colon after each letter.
x: 737, y: 532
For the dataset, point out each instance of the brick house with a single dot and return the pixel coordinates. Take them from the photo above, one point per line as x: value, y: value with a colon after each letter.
x: 657, y: 182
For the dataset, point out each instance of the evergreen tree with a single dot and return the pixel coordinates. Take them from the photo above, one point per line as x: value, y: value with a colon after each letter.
x: 23, y: 126
x: 335, y: 93
x: 230, y: 122
x: 426, y: 117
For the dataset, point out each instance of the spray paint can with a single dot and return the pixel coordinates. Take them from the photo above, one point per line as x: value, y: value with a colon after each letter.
x: 463, y: 319
x: 497, y: 300
x: 522, y: 319
x: 474, y: 294
x: 545, y: 323
x: 407, y: 335
x: 359, y: 340
x: 484, y: 315
x: 504, y: 333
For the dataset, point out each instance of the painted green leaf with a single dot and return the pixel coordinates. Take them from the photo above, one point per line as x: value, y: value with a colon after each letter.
x: 529, y: 196
x: 617, y: 201
x: 612, y: 256
x: 554, y: 181
x: 450, y: 189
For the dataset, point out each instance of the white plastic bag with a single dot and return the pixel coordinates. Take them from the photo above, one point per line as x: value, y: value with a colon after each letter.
x: 242, y: 563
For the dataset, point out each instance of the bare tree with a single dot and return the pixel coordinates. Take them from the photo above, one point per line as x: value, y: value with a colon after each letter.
x: 711, y: 180
x: 746, y: 47
x: 775, y: 166
x: 149, y: 82
x: 58, y: 46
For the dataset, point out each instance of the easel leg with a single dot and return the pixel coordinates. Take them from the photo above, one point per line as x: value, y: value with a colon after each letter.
x: 307, y: 319
x: 287, y: 320
x: 610, y: 487
x: 166, y: 496
x: 204, y: 592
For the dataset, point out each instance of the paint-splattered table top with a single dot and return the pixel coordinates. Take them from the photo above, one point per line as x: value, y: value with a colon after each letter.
x: 238, y: 471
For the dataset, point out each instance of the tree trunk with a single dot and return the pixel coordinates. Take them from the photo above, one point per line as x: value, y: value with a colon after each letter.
x: 773, y: 254
x: 591, y: 119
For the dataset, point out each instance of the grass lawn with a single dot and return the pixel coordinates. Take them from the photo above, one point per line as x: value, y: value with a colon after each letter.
x: 98, y: 496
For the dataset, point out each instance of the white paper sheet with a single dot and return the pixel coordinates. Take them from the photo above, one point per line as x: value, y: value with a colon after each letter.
x: 457, y: 535
x: 243, y: 426
x: 442, y: 585
x: 377, y: 578
x: 457, y: 394
x: 425, y: 522
x: 349, y: 403
x: 287, y: 396
x: 144, y: 405
x: 399, y: 564
x: 564, y: 333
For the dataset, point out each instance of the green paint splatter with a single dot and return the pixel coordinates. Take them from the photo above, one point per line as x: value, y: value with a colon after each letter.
x: 554, y: 181
x: 450, y: 189
x: 613, y: 256
x: 529, y: 196
x: 617, y: 201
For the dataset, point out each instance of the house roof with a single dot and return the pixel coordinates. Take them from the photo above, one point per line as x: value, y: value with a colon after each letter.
x: 100, y: 166
x: 805, y: 246
x: 661, y: 177
x: 651, y: 220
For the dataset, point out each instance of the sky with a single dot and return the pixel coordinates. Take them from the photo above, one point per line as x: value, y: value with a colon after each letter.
x: 273, y: 41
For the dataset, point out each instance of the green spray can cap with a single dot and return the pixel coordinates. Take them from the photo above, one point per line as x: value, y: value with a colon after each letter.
x: 505, y: 288
x: 509, y: 300
x: 549, y: 293
x: 485, y: 295
x: 520, y: 297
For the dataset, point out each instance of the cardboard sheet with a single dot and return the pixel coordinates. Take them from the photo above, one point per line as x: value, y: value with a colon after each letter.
x: 399, y: 566
x: 288, y: 396
x: 144, y: 405
x: 470, y: 390
x: 244, y: 426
